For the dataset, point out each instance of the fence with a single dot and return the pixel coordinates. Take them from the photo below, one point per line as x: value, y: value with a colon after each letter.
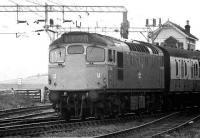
x: 35, y: 95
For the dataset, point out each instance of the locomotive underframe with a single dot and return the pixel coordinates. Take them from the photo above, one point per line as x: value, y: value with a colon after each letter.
x: 111, y: 102
x: 106, y: 102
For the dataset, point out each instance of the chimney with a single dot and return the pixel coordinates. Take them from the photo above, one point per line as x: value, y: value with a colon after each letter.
x: 187, y: 27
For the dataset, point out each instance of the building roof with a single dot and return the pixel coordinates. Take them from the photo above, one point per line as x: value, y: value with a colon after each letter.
x: 183, y: 30
x: 178, y: 27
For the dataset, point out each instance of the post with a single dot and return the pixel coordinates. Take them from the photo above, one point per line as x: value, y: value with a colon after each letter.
x: 42, y: 93
x: 46, y: 16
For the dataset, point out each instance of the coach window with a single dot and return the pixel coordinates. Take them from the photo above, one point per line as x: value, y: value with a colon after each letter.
x: 176, y: 68
x: 199, y: 69
x: 75, y: 49
x: 95, y: 54
x: 110, y: 58
x: 196, y: 69
x: 182, y: 69
x: 192, y: 71
x: 185, y: 69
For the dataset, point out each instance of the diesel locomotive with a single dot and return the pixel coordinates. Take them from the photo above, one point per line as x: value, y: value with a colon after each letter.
x: 95, y: 75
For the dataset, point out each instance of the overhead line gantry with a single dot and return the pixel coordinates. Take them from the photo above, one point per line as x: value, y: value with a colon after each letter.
x: 69, y: 8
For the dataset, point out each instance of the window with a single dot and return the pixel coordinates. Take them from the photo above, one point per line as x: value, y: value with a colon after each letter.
x: 57, y: 55
x: 196, y: 69
x: 176, y: 68
x: 182, y: 69
x: 199, y: 69
x: 95, y: 54
x: 111, y: 55
x: 192, y: 71
x: 75, y: 49
x: 185, y: 69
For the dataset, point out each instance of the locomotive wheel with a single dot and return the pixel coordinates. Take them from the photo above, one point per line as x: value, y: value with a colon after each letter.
x: 99, y: 111
x: 83, y: 114
x: 83, y: 109
x: 66, y: 114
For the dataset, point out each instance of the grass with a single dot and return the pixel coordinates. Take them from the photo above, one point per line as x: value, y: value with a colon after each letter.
x: 15, y: 101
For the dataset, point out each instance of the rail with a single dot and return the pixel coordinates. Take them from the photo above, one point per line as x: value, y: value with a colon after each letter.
x: 38, y: 128
x: 4, y: 113
x: 156, y: 128
x: 160, y: 134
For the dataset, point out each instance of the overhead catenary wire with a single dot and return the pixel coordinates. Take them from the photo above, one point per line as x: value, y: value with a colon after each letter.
x: 33, y: 2
x: 13, y: 2
x: 37, y: 3
x: 55, y: 2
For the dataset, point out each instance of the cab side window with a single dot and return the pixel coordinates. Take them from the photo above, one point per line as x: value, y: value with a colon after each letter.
x: 111, y: 55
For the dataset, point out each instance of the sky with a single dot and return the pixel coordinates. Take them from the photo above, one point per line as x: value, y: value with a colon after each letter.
x: 27, y: 54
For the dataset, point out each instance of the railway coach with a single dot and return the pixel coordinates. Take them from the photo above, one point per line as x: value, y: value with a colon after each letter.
x: 97, y: 75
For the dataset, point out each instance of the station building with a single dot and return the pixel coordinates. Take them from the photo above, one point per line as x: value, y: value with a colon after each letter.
x: 173, y: 35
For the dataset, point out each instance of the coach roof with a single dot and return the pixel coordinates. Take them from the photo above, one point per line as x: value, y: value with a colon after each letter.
x: 175, y: 52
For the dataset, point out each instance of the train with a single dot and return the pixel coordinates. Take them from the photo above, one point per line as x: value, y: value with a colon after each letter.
x: 94, y: 75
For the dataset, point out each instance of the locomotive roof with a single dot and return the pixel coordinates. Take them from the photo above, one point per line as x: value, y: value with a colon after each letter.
x: 182, y: 53
x: 83, y: 37
x: 144, y: 47
x: 93, y: 38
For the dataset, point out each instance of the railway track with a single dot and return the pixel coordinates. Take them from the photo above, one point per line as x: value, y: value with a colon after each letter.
x: 152, y: 129
x: 173, y: 129
x: 26, y: 118
x: 7, y: 113
x: 156, y: 128
x: 38, y: 128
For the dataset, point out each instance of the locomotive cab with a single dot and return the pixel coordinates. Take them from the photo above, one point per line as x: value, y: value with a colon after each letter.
x: 77, y: 67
